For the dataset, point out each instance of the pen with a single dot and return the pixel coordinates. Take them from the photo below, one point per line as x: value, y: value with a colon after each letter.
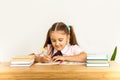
x: 44, y: 52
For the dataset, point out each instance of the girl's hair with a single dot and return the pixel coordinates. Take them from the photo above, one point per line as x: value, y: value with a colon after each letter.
x: 60, y: 26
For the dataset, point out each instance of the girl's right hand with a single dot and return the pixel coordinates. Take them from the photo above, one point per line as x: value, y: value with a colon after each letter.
x: 46, y: 58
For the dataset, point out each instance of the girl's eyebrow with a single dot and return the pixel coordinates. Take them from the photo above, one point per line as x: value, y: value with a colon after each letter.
x: 60, y: 38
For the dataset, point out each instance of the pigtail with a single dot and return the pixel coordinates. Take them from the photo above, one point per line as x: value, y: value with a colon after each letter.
x: 73, y: 39
x: 48, y: 41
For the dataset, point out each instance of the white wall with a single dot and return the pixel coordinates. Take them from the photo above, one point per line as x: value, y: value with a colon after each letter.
x: 24, y: 23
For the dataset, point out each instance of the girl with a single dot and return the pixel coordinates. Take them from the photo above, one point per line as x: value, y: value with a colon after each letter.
x: 61, y: 38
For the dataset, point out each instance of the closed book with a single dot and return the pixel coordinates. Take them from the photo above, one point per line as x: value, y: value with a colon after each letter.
x: 21, y: 64
x: 22, y: 57
x: 97, y: 61
x: 97, y: 57
x: 98, y: 64
x: 24, y: 60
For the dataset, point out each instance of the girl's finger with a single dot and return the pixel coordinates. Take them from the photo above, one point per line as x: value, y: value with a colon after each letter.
x: 56, y: 58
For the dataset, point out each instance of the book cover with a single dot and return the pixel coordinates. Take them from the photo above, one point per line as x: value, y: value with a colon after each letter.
x: 97, y: 57
x: 22, y: 60
x: 98, y: 64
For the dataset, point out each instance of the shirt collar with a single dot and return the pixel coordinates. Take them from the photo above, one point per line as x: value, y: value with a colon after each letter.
x: 64, y: 50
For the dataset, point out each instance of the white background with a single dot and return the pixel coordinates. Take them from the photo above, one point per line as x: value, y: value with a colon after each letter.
x: 24, y: 24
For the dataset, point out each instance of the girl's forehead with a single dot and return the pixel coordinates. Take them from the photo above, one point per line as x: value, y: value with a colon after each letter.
x: 57, y: 34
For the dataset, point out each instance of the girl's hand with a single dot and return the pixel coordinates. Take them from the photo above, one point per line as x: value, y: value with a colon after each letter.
x: 37, y: 57
x: 46, y: 58
x: 58, y: 58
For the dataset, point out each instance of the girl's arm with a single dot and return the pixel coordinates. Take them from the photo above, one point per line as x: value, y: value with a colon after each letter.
x: 43, y: 59
x: 39, y: 58
x: 80, y: 57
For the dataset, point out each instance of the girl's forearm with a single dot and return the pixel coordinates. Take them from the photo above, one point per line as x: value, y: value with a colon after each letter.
x: 80, y: 57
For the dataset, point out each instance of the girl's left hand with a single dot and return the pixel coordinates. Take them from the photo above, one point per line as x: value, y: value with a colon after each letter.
x: 58, y: 58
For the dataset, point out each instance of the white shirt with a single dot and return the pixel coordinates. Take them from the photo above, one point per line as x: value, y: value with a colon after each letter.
x: 70, y: 50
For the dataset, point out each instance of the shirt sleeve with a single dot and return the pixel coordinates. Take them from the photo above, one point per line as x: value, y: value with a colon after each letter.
x: 76, y: 49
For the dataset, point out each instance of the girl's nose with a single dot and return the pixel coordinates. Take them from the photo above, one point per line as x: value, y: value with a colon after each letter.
x: 57, y: 43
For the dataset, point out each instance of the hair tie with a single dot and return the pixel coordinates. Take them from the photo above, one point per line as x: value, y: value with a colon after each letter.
x: 68, y: 26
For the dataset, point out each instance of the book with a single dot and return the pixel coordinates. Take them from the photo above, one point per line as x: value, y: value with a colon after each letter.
x: 97, y: 60
x: 13, y: 65
x: 98, y: 64
x: 22, y: 60
x: 97, y: 57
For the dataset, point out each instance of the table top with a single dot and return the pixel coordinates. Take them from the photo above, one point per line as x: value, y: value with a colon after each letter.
x: 5, y: 67
x: 59, y: 72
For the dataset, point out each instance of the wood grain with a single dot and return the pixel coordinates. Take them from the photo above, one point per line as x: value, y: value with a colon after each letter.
x: 59, y: 72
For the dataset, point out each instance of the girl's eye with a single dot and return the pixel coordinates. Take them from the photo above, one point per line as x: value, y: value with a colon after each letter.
x: 60, y: 40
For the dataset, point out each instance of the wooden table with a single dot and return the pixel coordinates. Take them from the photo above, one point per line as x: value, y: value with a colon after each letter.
x: 59, y: 72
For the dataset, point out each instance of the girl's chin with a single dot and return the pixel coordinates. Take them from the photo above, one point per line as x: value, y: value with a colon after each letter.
x: 58, y: 49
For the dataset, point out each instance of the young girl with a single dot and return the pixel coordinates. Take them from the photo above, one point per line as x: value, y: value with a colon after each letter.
x: 61, y: 38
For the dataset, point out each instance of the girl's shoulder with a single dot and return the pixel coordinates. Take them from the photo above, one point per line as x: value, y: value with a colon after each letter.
x: 76, y: 48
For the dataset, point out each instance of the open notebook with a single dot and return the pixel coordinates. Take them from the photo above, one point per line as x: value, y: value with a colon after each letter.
x: 60, y: 63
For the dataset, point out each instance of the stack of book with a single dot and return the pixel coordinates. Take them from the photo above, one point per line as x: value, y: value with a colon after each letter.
x: 97, y: 60
x: 22, y: 60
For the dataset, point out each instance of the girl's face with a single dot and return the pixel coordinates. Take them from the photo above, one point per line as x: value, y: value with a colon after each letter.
x: 59, y: 39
